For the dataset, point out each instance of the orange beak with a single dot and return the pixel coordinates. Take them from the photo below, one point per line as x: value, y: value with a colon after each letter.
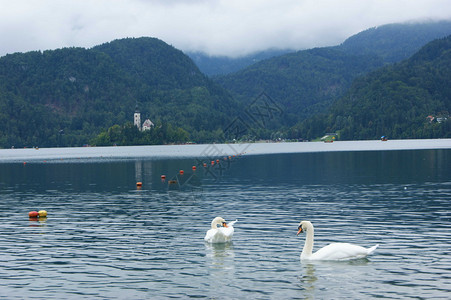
x: 225, y: 224
x: 300, y: 230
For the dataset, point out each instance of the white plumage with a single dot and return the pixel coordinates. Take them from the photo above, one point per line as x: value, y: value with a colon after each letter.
x: 334, y: 251
x: 222, y: 234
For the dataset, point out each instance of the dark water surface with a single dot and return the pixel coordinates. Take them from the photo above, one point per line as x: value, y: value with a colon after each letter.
x: 106, y: 239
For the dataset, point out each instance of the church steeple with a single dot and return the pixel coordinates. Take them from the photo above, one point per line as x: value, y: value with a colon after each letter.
x: 137, y: 117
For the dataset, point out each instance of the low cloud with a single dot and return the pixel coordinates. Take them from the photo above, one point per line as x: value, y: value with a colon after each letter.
x: 216, y: 27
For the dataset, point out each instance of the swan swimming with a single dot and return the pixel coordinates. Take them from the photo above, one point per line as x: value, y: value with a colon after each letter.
x: 222, y: 234
x: 334, y: 251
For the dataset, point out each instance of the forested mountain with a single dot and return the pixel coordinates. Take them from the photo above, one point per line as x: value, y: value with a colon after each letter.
x: 395, y: 42
x: 74, y: 96
x: 68, y: 96
x: 308, y: 82
x: 303, y: 83
x: 222, y: 65
x: 410, y: 99
x: 391, y: 42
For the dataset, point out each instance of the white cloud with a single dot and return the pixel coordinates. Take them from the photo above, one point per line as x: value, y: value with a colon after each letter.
x: 221, y: 27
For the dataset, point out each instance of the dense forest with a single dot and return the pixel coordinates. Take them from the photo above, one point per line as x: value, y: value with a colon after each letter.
x: 395, y: 42
x: 410, y: 99
x: 303, y: 83
x: 77, y: 96
x: 391, y: 42
x: 66, y: 97
x: 129, y: 134
x: 307, y: 82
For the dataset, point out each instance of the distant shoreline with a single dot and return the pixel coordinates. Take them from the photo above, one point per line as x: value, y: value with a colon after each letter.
x: 214, y: 150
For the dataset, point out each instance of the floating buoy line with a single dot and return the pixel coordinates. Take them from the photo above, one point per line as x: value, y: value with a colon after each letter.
x: 183, y: 178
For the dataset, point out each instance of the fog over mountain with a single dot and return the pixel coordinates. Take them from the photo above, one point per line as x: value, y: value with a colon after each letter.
x: 231, y: 28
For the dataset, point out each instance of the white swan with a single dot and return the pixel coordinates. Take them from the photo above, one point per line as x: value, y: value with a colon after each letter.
x: 334, y: 251
x: 221, y: 234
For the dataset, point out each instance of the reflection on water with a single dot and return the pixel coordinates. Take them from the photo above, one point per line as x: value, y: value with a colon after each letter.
x: 221, y: 268
x: 308, y: 279
x: 221, y: 255
x: 104, y: 238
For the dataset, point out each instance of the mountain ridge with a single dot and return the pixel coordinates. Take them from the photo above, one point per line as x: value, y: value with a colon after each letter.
x: 403, y: 100
x: 80, y: 92
x: 307, y: 82
x: 68, y: 96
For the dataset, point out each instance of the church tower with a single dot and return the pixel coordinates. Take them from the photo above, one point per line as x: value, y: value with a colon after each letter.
x: 137, y: 118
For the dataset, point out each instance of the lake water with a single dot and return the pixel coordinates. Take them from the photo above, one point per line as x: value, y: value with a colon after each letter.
x: 104, y: 238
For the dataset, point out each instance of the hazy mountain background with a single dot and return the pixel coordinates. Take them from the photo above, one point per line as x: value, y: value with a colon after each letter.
x: 67, y: 97
x: 222, y: 65
x: 392, y: 42
x: 307, y: 82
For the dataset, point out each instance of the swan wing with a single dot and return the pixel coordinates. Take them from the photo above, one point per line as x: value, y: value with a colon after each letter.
x: 342, y: 251
x: 209, y: 235
x: 371, y: 250
x: 219, y: 235
x: 227, y: 231
x: 232, y: 223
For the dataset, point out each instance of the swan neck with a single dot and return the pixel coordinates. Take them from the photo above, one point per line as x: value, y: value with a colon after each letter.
x: 214, y: 223
x: 308, y: 246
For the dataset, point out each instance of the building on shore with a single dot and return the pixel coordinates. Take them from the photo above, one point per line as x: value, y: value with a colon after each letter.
x: 137, y: 121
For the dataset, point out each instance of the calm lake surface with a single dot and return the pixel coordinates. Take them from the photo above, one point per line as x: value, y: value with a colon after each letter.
x: 106, y: 239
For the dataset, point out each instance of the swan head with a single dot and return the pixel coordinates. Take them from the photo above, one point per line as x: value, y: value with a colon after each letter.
x: 304, y: 226
x: 218, y: 221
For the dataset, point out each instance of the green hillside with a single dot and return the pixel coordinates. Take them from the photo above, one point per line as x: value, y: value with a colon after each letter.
x: 309, y: 81
x: 68, y: 96
x: 395, y: 101
x: 395, y: 42
x: 76, y: 96
x: 303, y: 83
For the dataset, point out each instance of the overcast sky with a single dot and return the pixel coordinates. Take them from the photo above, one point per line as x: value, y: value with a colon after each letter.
x: 216, y: 27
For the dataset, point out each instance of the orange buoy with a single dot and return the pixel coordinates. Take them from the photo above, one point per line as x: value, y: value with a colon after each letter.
x: 181, y: 172
x: 212, y: 162
x: 33, y: 214
x: 217, y: 161
x: 194, y: 168
x: 139, y: 183
x: 205, y: 165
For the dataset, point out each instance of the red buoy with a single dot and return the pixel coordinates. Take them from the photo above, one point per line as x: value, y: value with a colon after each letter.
x: 33, y: 214
x: 194, y: 168
x: 181, y: 172
x: 139, y: 183
x: 163, y: 176
x: 205, y: 165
